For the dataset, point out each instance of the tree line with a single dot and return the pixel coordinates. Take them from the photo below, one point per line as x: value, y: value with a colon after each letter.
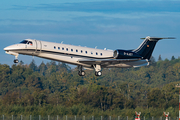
x: 53, y: 88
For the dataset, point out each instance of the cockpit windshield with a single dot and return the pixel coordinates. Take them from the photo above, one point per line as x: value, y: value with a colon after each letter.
x: 26, y: 42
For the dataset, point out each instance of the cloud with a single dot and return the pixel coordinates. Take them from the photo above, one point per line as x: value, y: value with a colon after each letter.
x: 26, y: 21
x: 98, y: 23
x: 69, y: 18
x: 107, y: 6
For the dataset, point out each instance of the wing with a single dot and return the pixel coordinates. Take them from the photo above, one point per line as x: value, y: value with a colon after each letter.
x: 105, y: 61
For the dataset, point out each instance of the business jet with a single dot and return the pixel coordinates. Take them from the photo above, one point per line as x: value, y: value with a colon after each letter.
x: 84, y: 57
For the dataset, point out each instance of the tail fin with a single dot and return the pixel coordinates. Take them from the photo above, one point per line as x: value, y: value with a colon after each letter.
x: 147, y: 46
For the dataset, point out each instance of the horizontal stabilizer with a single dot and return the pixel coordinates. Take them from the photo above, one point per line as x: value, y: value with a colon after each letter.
x: 157, y: 38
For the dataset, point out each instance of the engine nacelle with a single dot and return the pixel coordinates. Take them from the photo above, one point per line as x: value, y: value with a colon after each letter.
x: 125, y: 54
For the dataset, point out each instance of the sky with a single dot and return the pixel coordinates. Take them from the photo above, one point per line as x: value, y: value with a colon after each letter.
x: 113, y: 24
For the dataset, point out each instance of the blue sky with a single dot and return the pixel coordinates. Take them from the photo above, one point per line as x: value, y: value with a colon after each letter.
x: 105, y: 24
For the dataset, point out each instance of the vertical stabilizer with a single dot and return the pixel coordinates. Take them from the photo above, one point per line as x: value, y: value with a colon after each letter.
x: 147, y: 46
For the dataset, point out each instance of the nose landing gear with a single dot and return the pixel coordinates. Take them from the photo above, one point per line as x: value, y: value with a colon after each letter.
x: 15, y: 54
x: 16, y: 59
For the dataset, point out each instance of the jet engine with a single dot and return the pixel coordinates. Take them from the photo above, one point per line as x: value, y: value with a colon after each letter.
x: 125, y: 54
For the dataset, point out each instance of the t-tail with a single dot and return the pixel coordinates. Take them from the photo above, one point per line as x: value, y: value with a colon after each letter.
x: 146, y: 48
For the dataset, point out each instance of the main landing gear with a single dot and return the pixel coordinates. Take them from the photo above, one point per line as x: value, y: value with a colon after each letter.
x: 97, y: 70
x: 99, y: 73
x: 80, y: 71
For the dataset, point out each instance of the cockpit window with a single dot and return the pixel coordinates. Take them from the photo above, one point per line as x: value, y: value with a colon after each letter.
x: 24, y: 42
x: 30, y: 43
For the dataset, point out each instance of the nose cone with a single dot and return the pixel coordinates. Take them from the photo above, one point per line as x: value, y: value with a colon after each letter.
x: 11, y: 47
x: 6, y: 48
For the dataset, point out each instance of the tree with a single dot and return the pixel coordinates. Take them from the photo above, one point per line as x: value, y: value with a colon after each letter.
x: 173, y: 58
x: 21, y: 63
x: 156, y: 98
x: 159, y: 59
x: 42, y: 68
x: 153, y: 61
x: 4, y: 72
x: 33, y: 66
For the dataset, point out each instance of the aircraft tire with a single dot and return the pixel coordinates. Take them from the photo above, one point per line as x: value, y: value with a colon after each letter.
x: 16, y: 61
x: 99, y: 73
x: 81, y: 73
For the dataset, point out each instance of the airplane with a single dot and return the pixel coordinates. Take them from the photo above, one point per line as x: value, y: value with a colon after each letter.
x: 84, y: 57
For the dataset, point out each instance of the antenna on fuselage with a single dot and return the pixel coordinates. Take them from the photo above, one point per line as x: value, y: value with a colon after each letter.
x: 62, y: 42
x: 104, y: 48
x: 95, y: 47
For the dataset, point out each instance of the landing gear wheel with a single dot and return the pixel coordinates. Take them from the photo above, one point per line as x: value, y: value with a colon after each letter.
x: 16, y: 61
x: 82, y: 73
x: 97, y: 69
x: 99, y: 73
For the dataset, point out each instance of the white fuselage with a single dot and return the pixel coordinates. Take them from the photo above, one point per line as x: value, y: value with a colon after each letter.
x: 67, y: 53
x: 60, y: 52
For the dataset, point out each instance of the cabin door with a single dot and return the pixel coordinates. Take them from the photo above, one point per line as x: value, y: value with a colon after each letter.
x: 38, y: 46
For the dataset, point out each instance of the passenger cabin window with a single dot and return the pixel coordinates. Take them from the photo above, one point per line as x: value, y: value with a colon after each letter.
x: 81, y: 51
x: 54, y: 47
x: 76, y: 50
x: 101, y: 54
x: 66, y: 49
x: 62, y: 48
x: 96, y: 53
x: 86, y: 52
x: 91, y: 52
x: 58, y: 48
x: 71, y: 50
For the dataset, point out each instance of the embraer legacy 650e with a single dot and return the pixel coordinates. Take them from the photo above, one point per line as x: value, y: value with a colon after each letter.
x: 89, y: 58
